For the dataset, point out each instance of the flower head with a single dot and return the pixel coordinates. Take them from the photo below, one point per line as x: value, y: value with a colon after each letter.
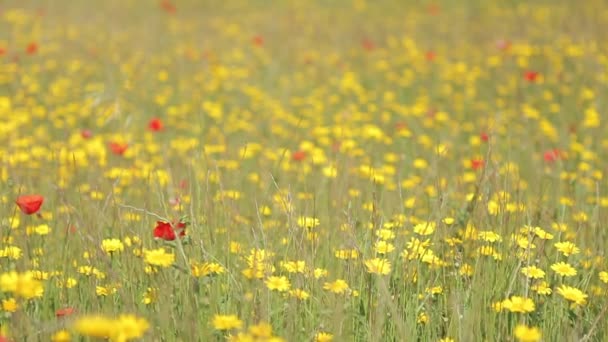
x: 226, y: 322
x: 166, y: 230
x: 29, y: 204
x: 158, y: 257
x: 523, y: 333
x: 576, y: 296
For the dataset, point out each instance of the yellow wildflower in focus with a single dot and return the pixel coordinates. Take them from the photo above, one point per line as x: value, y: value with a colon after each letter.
x: 280, y: 284
x: 574, y: 295
x: 112, y: 245
x: 563, y: 269
x: 378, y: 266
x: 158, y: 257
x: 226, y: 322
x: 524, y: 333
x: 518, y: 304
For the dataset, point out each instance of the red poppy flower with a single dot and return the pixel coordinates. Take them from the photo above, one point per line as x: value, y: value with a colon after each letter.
x: 86, y: 133
x: 183, y: 184
x: 477, y: 164
x: 503, y: 45
x: 166, y: 231
x: 430, y: 56
x: 531, y: 76
x: 484, y: 136
x: 368, y: 44
x: 64, y: 312
x: 2, y: 51
x: 29, y: 204
x: 298, y: 155
x: 118, y: 148
x: 258, y: 40
x: 31, y: 48
x: 155, y: 125
x: 167, y: 6
x: 553, y: 155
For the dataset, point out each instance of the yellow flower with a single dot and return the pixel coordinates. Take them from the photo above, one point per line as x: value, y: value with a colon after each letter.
x: 572, y: 294
x: 261, y: 330
x: 280, y: 284
x: 206, y: 268
x: 9, y: 305
x: 11, y: 252
x: 112, y: 245
x: 425, y: 228
x: 294, y: 266
x: 95, y: 326
x: 61, y: 336
x: 542, y: 288
x: 299, y: 294
x: 320, y: 273
x: 383, y: 247
x: 150, y: 296
x: 524, y: 333
x: 308, y: 222
x: 533, y: 272
x: 339, y: 286
x: 567, y: 248
x: 22, y: 285
x: 542, y: 234
x: 423, y: 318
x: 466, y: 270
x: 518, y: 304
x: 378, y: 266
x: 158, y: 257
x: 604, y: 277
x: 128, y: 327
x: 563, y: 269
x: 226, y: 322
x: 324, y: 337
x: 489, y: 236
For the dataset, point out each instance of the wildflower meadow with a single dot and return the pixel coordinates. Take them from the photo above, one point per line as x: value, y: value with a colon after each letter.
x: 344, y: 170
